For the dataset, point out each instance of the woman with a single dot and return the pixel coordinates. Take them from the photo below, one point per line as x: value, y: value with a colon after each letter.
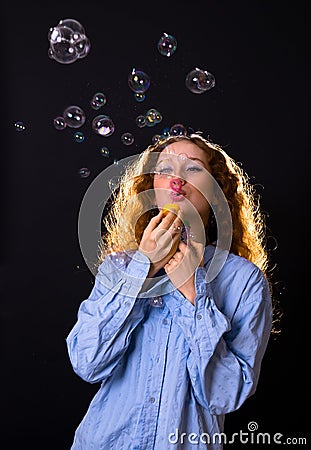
x: 174, y: 349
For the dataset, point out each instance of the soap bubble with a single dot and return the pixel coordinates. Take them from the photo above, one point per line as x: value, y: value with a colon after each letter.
x: 153, y: 117
x: 166, y: 132
x: 68, y: 42
x: 167, y: 45
x: 139, y: 96
x: 19, y: 126
x: 84, y: 172
x: 103, y: 125
x: 141, y: 121
x: 59, y: 123
x: 199, y: 81
x: 78, y: 136
x: 99, y: 99
x: 74, y: 116
x: 104, y: 151
x: 178, y: 130
x: 156, y: 138
x: 127, y: 138
x: 138, y: 81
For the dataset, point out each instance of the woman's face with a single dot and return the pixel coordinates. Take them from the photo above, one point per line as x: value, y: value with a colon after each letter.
x: 181, y: 177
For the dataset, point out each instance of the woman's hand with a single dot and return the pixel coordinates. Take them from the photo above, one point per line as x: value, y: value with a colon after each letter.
x: 160, y: 240
x: 181, y: 267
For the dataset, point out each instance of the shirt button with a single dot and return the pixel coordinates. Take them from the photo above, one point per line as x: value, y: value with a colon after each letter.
x: 199, y: 316
x: 151, y: 399
x: 156, y: 302
x: 128, y: 304
x: 164, y: 321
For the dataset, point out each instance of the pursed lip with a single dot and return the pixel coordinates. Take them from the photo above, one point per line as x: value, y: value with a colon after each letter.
x: 177, y: 198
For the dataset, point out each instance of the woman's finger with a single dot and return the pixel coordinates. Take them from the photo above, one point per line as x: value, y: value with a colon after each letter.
x: 170, y: 266
x: 154, y: 222
x: 178, y: 256
x: 182, y: 247
x: 169, y: 220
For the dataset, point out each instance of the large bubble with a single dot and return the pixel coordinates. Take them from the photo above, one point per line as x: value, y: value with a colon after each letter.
x: 167, y: 45
x: 103, y: 125
x: 138, y: 81
x: 199, y: 81
x: 68, y: 42
x: 98, y: 101
x: 74, y: 116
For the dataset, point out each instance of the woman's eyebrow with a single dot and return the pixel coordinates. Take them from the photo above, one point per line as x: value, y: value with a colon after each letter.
x: 198, y: 159
x: 188, y: 157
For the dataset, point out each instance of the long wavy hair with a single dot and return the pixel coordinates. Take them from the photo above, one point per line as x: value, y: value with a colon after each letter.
x: 127, y: 216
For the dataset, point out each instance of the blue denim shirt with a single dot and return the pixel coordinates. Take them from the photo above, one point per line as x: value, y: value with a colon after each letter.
x: 169, y: 370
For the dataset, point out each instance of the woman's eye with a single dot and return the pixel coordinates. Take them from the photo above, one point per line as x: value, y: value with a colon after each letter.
x: 164, y: 170
x: 194, y: 169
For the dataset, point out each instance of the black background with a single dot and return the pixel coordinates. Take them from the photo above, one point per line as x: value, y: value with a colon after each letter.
x: 259, y: 54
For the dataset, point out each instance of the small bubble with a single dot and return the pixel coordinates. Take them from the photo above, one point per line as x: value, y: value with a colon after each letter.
x: 141, y: 121
x: 84, y: 172
x: 59, y: 123
x: 156, y: 138
x: 103, y: 125
x: 113, y: 184
x: 104, y: 151
x: 78, y: 136
x: 167, y: 45
x: 178, y: 130
x: 74, y: 116
x: 98, y: 101
x: 127, y: 138
x: 19, y: 126
x: 139, y: 97
x: 199, y: 81
x: 166, y: 132
x: 138, y: 81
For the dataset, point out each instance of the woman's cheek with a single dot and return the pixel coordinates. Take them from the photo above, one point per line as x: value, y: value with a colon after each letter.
x: 161, y: 197
x: 162, y: 190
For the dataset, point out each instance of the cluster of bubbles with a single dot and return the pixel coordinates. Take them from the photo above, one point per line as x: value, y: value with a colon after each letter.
x: 151, y: 118
x: 68, y: 42
x: 178, y: 129
x: 127, y: 138
x: 74, y: 117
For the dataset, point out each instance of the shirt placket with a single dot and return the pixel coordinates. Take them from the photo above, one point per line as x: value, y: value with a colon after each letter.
x: 154, y: 386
